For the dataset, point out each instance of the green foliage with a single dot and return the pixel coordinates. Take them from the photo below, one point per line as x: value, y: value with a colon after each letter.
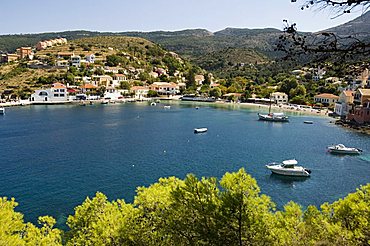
x: 193, y: 211
x: 152, y: 93
x: 13, y: 231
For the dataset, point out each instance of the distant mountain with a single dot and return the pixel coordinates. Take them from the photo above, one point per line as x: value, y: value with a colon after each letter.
x: 199, y: 45
x: 359, y: 27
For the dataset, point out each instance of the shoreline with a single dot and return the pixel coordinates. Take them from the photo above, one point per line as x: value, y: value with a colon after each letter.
x: 262, y: 107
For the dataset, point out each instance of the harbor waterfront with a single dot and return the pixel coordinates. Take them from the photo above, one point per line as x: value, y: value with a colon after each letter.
x: 53, y: 156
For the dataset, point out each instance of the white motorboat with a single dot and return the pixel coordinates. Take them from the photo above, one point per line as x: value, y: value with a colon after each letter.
x: 2, y: 110
x: 167, y: 107
x: 289, y: 168
x: 153, y: 104
x: 200, y: 130
x: 276, y: 117
x: 341, y: 149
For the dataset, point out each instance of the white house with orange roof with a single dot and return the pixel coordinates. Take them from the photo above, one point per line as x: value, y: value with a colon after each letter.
x: 165, y: 88
x: 326, y: 99
x: 56, y: 94
x: 140, y: 92
x: 342, y: 106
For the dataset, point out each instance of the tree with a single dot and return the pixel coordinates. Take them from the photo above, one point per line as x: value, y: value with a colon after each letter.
x: 325, y: 45
x: 152, y: 93
x: 215, y: 92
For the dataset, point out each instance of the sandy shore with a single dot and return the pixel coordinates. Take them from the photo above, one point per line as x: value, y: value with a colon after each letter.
x: 282, y: 108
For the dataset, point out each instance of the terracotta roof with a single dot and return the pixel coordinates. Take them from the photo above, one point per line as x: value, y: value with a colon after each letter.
x: 327, y: 95
x: 58, y: 85
x: 348, y: 93
x: 365, y: 92
x: 88, y: 86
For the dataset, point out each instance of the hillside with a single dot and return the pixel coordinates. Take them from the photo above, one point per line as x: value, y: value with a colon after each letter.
x: 137, y: 56
x: 359, y: 27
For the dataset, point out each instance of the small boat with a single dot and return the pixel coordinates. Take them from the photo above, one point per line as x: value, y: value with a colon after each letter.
x: 2, y: 110
x: 200, y: 130
x: 82, y: 103
x: 104, y: 102
x: 308, y: 122
x: 153, y: 104
x: 167, y: 107
x: 289, y: 168
x: 196, y: 107
x: 91, y: 102
x: 341, y: 149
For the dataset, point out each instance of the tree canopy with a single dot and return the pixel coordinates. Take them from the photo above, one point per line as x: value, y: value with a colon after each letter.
x: 193, y: 211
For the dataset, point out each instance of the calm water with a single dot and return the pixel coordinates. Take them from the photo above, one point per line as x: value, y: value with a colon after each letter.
x: 52, y: 157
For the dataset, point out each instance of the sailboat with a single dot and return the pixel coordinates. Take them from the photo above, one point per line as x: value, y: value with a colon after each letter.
x: 275, y: 117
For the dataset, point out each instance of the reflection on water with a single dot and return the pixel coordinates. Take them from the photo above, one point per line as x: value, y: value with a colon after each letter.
x: 289, y: 180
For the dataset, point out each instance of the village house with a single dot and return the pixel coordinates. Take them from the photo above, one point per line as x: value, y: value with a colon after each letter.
x: 279, y: 97
x: 56, y: 94
x: 62, y: 63
x: 25, y: 52
x: 102, y: 80
x: 361, y: 95
x: 326, y: 99
x: 360, y: 113
x: 342, y: 107
x: 199, y: 79
x: 165, y: 88
x: 9, y: 57
x: 88, y: 88
x: 76, y: 61
x: 140, y: 92
x: 90, y: 58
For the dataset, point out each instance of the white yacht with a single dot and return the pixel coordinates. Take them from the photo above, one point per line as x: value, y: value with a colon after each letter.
x: 200, y: 130
x: 167, y: 107
x: 341, y: 149
x: 289, y: 168
x: 2, y: 110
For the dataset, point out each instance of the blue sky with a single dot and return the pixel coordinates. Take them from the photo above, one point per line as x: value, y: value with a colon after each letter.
x: 34, y: 16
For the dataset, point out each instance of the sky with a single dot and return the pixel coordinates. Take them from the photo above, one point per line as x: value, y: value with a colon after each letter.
x: 36, y: 16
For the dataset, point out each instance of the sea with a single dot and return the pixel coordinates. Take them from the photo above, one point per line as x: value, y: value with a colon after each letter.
x: 54, y: 156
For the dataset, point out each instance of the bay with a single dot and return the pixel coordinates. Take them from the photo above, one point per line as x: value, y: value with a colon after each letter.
x: 53, y: 157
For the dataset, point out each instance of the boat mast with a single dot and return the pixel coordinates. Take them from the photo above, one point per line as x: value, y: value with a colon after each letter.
x: 270, y: 104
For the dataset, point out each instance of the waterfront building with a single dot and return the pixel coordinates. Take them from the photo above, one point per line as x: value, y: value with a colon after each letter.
x: 279, y: 97
x: 165, y: 88
x: 140, y: 92
x: 102, y: 80
x: 342, y: 107
x: 360, y: 113
x: 56, y: 94
x: 326, y: 99
x: 361, y: 95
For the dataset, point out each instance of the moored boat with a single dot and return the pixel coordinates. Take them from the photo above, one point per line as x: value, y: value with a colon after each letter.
x: 167, y: 107
x: 308, y: 122
x: 341, y: 149
x: 200, y: 130
x: 2, y: 110
x: 289, y: 168
x: 276, y: 117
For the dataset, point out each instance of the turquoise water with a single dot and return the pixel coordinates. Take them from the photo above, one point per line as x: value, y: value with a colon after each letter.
x: 52, y: 157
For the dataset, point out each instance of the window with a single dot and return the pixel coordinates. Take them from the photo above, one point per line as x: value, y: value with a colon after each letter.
x: 62, y: 90
x: 56, y: 95
x: 56, y: 90
x: 43, y: 93
x: 61, y: 95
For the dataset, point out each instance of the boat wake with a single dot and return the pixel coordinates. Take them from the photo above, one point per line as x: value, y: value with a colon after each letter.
x: 365, y: 158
